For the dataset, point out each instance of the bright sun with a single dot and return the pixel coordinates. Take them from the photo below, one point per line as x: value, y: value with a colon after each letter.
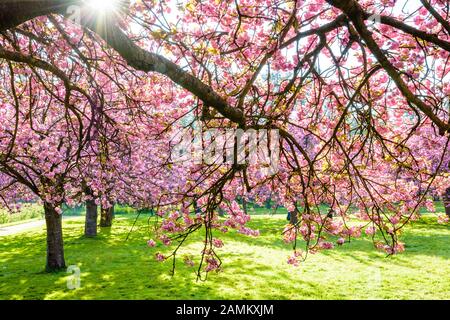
x: 102, y: 5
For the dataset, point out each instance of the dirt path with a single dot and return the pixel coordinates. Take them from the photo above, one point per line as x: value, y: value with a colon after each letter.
x: 18, y: 228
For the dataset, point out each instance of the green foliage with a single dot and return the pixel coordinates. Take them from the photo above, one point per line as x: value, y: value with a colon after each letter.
x: 27, y: 211
x: 81, y: 210
x: 254, y: 268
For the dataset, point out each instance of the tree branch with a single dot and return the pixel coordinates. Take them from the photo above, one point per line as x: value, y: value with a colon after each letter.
x: 357, y: 15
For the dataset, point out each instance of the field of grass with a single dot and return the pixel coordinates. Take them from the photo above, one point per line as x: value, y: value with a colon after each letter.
x: 254, y: 268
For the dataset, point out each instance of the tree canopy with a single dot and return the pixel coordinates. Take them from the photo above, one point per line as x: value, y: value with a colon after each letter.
x: 95, y: 95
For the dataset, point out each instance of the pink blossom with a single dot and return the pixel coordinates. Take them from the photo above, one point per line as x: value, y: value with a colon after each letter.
x: 399, y: 247
x: 217, y: 243
x: 326, y: 245
x: 212, y: 264
x: 160, y: 257
x: 187, y: 220
x: 370, y: 230
x: 249, y: 232
x: 289, y: 234
x: 151, y: 243
x: 188, y: 261
x: 394, y: 219
x: 429, y: 204
x: 298, y: 253
x: 443, y: 218
x: 165, y: 240
x: 379, y: 245
x: 293, y: 260
x: 388, y: 249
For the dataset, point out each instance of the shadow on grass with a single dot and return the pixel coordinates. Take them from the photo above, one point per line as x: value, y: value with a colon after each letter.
x: 112, y: 268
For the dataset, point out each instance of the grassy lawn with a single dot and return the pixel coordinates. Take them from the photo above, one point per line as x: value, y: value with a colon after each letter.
x: 254, y: 268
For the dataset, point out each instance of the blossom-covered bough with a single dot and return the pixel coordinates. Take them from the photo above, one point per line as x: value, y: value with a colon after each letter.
x: 357, y: 90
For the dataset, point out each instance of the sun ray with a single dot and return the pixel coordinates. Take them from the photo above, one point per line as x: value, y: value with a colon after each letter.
x: 102, y: 5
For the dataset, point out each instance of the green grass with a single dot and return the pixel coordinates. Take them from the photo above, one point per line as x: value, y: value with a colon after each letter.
x: 254, y: 268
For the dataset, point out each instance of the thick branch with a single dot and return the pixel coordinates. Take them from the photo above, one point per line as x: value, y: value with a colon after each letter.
x: 16, y: 12
x: 13, y: 13
x: 414, y: 32
x: 436, y: 15
x: 357, y: 15
x: 146, y: 61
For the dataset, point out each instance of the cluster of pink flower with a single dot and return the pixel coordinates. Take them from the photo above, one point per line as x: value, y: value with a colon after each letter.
x: 398, y: 247
x: 237, y: 220
x: 175, y: 223
x: 289, y: 233
x: 325, y: 245
x: 353, y: 231
x: 188, y: 261
x: 370, y: 230
x: 172, y: 224
x: 217, y: 243
x: 395, y: 219
x: 443, y: 218
x: 212, y: 264
x: 390, y: 249
x: 307, y: 231
x: 165, y: 240
x: 160, y: 257
x: 334, y: 226
x: 429, y: 204
x: 294, y: 259
x: 248, y: 231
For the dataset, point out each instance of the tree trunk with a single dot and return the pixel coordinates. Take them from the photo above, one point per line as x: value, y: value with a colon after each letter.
x: 55, y: 245
x: 244, y: 205
x: 90, y: 226
x: 268, y: 203
x: 196, y: 208
x: 107, y: 215
x: 293, y: 217
x: 446, y: 200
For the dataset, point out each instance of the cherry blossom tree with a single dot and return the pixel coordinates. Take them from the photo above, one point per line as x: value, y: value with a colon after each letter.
x: 358, y: 91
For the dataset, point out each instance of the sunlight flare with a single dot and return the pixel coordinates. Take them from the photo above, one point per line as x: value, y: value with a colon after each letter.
x: 102, y: 5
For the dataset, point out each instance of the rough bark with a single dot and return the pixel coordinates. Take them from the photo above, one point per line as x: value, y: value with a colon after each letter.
x: 55, y: 245
x: 90, y: 226
x: 244, y: 205
x: 268, y: 203
x: 196, y: 208
x: 106, y: 217
x: 293, y: 216
x: 446, y: 198
x: 16, y: 12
